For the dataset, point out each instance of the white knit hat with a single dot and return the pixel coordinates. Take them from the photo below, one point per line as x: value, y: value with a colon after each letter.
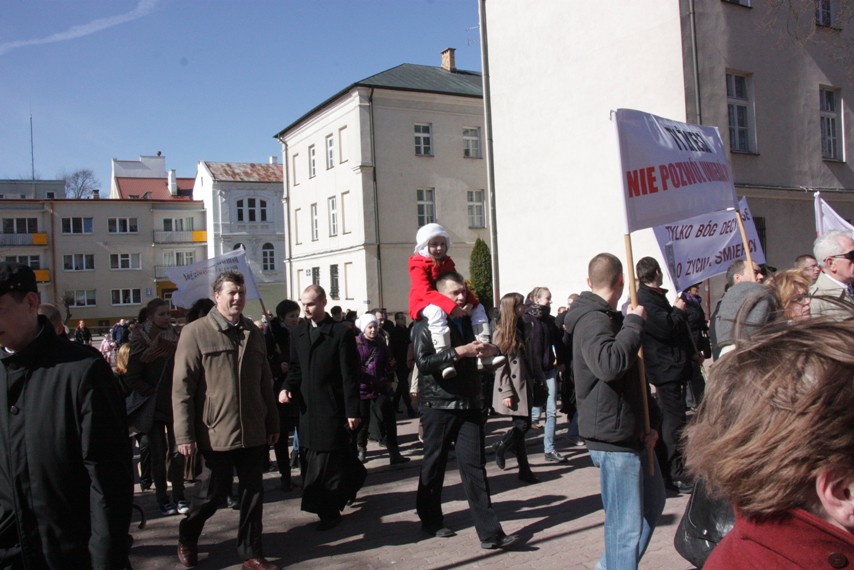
x: 365, y: 320
x: 428, y: 232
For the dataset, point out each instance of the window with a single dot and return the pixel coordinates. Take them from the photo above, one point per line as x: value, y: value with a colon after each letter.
x: 345, y: 208
x: 178, y: 225
x: 315, y: 275
x: 315, y: 233
x: 739, y: 110
x: 823, y: 13
x: 759, y: 222
x: 126, y: 296
x: 477, y: 219
x: 348, y: 276
x: 829, y: 114
x: 426, y: 206
x: 423, y: 139
x: 297, y: 237
x: 312, y: 162
x: 294, y: 178
x: 122, y: 226
x: 342, y: 144
x: 124, y: 261
x: 33, y: 261
x: 330, y: 152
x: 77, y: 225
x: 50, y: 195
x: 333, y: 281
x: 252, y: 210
x: 78, y: 262
x: 471, y: 142
x: 80, y: 298
x: 268, y: 257
x: 333, y: 216
x: 178, y: 258
x: 20, y: 225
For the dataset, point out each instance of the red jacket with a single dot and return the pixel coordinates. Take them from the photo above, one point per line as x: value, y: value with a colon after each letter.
x: 423, y: 272
x: 801, y: 540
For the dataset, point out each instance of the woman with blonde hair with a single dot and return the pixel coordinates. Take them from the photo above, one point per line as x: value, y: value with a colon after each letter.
x: 774, y: 436
x: 512, y: 392
x: 791, y: 287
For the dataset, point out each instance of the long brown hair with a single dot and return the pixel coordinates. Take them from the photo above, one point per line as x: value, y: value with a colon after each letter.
x: 509, y: 341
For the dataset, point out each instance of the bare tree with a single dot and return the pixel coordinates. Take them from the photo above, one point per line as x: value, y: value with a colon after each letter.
x: 80, y: 184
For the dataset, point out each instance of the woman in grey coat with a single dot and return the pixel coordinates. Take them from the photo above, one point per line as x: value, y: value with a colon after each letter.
x: 512, y: 391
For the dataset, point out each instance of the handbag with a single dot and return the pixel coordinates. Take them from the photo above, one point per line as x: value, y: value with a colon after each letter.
x: 706, y: 521
x: 539, y: 392
x: 140, y: 409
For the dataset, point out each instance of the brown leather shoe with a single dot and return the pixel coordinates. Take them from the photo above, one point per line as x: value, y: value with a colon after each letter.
x: 259, y: 564
x: 188, y: 554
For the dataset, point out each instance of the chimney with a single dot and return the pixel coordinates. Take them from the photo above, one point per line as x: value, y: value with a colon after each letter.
x: 274, y: 159
x: 96, y: 194
x: 448, y: 63
x: 172, y: 183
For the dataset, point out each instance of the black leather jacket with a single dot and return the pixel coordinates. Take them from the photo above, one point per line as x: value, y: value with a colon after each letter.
x: 461, y: 393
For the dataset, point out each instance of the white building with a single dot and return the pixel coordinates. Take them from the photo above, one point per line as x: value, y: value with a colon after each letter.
x: 773, y: 81
x: 370, y: 165
x: 243, y: 206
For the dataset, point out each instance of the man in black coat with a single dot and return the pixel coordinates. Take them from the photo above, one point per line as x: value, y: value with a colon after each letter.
x: 451, y: 413
x: 323, y: 378
x: 668, y: 355
x: 66, y: 481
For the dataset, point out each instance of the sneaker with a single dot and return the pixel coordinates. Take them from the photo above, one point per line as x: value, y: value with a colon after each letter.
x: 168, y: 509
x: 183, y: 507
x: 556, y: 457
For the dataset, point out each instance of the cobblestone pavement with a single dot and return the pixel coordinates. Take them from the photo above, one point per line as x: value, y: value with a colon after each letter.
x: 560, y: 518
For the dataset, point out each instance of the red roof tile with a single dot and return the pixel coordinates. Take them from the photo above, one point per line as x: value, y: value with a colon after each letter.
x: 245, y: 171
x: 138, y: 187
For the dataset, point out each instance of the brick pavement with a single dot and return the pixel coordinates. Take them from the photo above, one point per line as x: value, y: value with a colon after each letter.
x: 561, y: 519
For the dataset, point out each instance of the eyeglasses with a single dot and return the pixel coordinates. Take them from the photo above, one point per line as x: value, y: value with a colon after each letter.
x: 849, y: 255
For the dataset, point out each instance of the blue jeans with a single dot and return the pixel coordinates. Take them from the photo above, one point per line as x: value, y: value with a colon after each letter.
x: 633, y: 502
x: 551, y: 412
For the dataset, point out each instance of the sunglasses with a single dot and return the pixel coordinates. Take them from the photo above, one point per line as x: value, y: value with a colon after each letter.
x: 849, y: 255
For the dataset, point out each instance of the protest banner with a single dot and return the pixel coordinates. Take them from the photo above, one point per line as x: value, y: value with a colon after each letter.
x: 704, y: 246
x: 827, y: 219
x: 194, y: 281
x: 670, y: 170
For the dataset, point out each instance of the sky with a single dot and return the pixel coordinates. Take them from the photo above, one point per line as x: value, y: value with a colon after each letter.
x: 197, y: 80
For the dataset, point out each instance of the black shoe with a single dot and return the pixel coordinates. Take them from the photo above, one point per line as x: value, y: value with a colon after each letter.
x: 362, y: 454
x: 397, y: 459
x: 330, y: 522
x: 556, y: 457
x: 168, y: 509
x: 145, y: 485
x: 232, y: 503
x: 285, y: 484
x: 528, y: 478
x: 294, y: 460
x: 500, y: 541
x: 438, y: 531
x: 500, y: 448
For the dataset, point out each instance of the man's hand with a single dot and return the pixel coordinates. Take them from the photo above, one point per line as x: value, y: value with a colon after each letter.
x: 272, y: 439
x: 639, y: 311
x: 413, y: 396
x: 469, y: 350
x: 353, y: 423
x: 285, y: 397
x: 680, y: 303
x: 187, y: 449
x: 650, y: 439
x: 456, y: 313
x: 468, y: 309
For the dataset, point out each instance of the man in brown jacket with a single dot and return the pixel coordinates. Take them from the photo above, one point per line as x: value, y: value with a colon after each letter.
x: 224, y: 408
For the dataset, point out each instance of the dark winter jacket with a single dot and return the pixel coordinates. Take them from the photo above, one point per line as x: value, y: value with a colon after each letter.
x: 464, y: 392
x: 609, y: 394
x: 375, y: 362
x: 667, y: 347
x: 543, y: 340
x: 66, y: 481
x: 323, y: 375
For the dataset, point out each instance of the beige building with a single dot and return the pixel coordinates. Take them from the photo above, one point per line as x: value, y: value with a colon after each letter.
x: 774, y: 81
x: 370, y: 165
x: 104, y: 258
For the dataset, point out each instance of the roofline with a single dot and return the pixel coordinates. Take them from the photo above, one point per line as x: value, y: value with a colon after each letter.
x: 278, y: 136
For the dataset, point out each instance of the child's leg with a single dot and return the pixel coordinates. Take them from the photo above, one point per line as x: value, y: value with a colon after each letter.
x: 437, y: 324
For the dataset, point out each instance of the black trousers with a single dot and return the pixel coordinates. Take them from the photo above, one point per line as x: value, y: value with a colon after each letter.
x: 465, y: 427
x: 380, y: 410
x: 288, y: 422
x: 514, y: 440
x: 672, y: 404
x: 166, y: 462
x: 214, y: 484
x: 402, y: 391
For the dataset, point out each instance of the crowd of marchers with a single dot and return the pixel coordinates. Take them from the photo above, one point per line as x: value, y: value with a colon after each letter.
x: 749, y: 409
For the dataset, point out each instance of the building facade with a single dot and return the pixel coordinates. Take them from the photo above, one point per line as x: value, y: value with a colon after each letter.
x: 367, y: 167
x: 243, y: 207
x: 774, y: 80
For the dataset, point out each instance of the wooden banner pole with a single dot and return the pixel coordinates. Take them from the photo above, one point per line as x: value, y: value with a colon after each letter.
x: 749, y: 258
x: 633, y: 294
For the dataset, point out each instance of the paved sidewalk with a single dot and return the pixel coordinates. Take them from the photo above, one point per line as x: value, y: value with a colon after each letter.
x: 561, y: 519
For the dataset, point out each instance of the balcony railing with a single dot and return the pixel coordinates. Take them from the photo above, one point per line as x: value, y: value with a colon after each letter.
x: 197, y: 236
x: 23, y: 239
